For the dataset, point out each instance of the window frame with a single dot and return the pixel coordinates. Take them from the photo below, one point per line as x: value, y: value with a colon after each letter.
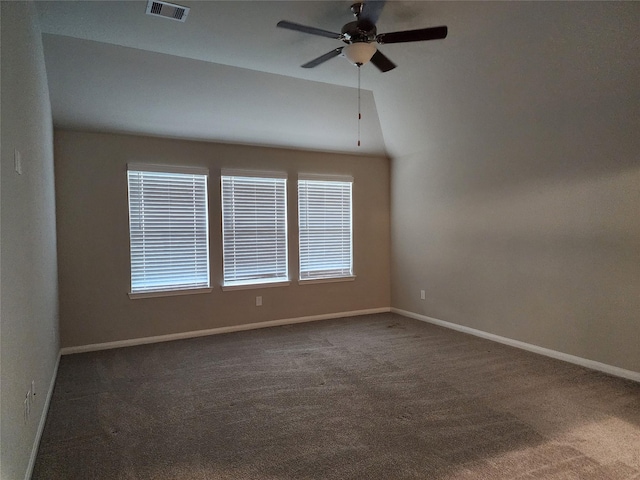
x: 177, y: 288
x: 258, y: 281
x: 305, y: 278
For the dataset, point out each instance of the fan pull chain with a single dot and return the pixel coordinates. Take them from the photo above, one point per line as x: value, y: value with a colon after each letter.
x: 359, y: 113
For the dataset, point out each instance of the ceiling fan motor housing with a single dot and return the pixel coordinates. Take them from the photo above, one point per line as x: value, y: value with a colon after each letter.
x: 353, y: 33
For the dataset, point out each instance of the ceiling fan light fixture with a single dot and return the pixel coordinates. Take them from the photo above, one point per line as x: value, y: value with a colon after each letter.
x: 359, y: 53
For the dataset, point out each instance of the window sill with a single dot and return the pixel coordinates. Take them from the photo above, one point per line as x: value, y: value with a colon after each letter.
x: 326, y: 280
x: 170, y: 293
x: 253, y: 286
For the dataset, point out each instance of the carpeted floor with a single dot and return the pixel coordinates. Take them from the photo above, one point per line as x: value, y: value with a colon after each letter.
x: 372, y: 397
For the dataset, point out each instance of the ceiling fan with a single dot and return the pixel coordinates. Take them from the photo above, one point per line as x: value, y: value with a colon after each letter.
x: 361, y: 34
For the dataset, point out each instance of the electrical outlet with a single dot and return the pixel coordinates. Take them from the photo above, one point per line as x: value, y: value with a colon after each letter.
x: 422, y: 295
x: 258, y: 301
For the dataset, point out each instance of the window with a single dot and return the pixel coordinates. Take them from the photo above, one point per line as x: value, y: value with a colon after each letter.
x: 168, y: 229
x: 254, y: 228
x: 324, y: 216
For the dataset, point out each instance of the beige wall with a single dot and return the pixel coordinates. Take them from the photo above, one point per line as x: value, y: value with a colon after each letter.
x: 29, y: 296
x: 93, y: 239
x: 521, y: 216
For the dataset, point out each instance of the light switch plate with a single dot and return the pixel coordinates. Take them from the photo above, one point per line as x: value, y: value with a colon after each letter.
x: 17, y: 161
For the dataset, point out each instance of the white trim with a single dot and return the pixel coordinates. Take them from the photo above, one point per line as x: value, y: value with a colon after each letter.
x: 254, y: 286
x: 169, y: 293
x: 310, y: 281
x: 230, y: 172
x: 583, y: 362
x: 216, y: 331
x: 325, y: 177
x: 148, y: 167
x: 43, y: 421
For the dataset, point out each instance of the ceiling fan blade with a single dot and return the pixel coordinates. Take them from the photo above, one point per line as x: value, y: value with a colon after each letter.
x: 323, y: 58
x: 382, y: 62
x: 433, y: 33
x: 312, y: 30
x: 370, y: 13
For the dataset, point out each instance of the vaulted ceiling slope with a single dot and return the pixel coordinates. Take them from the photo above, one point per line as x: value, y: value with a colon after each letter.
x: 228, y: 74
x: 105, y: 87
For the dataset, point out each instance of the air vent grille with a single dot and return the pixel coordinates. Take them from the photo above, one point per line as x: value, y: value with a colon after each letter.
x: 167, y: 10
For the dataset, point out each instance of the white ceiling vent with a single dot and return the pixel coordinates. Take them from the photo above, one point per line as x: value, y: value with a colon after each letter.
x: 167, y: 10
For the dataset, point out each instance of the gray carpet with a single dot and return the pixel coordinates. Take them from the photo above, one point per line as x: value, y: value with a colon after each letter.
x: 372, y: 397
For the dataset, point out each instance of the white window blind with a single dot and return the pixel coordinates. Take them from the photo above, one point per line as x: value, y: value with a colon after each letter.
x: 254, y: 229
x: 168, y: 228
x: 325, y: 225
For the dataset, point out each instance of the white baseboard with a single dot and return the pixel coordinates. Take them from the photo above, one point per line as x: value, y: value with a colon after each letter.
x: 216, y: 331
x: 583, y: 362
x: 42, y: 422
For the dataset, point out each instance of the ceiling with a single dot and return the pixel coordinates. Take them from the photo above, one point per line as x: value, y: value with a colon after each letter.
x: 228, y: 74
